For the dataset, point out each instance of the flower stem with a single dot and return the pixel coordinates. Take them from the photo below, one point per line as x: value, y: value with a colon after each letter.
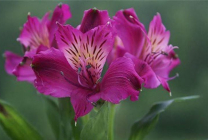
x: 85, y: 119
x: 65, y: 119
x: 111, y: 116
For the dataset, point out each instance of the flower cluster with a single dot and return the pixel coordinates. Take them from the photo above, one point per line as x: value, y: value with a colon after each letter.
x: 64, y: 61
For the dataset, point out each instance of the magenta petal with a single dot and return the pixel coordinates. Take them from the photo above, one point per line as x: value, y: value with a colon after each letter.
x: 61, y: 14
x: 118, y: 51
x: 41, y: 48
x: 12, y: 60
x: 93, y: 18
x: 55, y: 77
x: 130, y: 30
x: 35, y: 32
x: 164, y: 84
x: 24, y: 72
x: 158, y: 35
x: 80, y: 102
x: 145, y: 71
x: 120, y: 81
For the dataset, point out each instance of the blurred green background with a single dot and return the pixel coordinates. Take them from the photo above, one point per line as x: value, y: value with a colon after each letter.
x: 188, y: 23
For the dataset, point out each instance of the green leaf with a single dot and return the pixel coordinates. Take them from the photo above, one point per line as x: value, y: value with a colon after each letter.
x: 15, y: 125
x: 143, y: 126
x: 100, y: 127
x: 52, y: 112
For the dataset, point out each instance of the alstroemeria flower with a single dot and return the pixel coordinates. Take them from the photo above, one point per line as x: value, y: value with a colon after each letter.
x: 153, y: 57
x: 74, y: 70
x: 37, y: 35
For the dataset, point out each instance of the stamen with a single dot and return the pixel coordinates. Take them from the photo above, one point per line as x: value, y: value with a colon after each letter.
x: 62, y: 73
x: 81, y: 83
x: 96, y: 83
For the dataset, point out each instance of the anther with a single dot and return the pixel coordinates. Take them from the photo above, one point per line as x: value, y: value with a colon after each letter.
x: 164, y: 53
x: 79, y: 70
x: 88, y: 66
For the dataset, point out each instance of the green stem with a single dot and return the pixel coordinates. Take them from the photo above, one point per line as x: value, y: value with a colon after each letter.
x: 85, y: 119
x: 66, y: 115
x: 111, y: 116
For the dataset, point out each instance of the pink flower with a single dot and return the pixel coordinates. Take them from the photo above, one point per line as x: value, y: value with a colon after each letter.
x: 74, y: 70
x: 37, y: 35
x: 153, y: 57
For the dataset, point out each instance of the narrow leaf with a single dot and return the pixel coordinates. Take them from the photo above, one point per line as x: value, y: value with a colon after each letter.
x: 15, y: 125
x: 143, y: 126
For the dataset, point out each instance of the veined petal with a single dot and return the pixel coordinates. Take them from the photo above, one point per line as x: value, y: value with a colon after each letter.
x: 80, y: 102
x: 35, y: 32
x: 86, y: 53
x: 24, y: 72
x: 145, y: 72
x: 69, y: 42
x: 93, y: 18
x: 12, y: 60
x: 130, y: 30
x: 61, y: 14
x: 120, y: 81
x: 98, y: 43
x: 158, y: 35
x: 55, y: 76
